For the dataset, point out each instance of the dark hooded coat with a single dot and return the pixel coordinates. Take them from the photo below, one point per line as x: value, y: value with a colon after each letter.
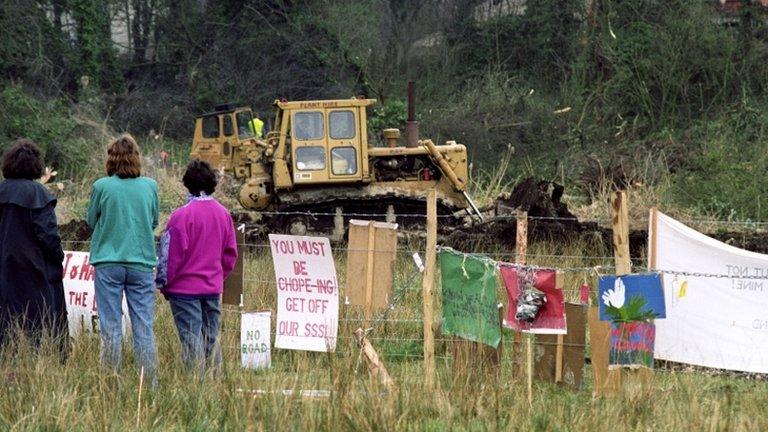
x: 31, y: 287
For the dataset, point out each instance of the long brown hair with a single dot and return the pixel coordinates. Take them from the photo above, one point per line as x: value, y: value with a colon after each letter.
x: 123, y: 157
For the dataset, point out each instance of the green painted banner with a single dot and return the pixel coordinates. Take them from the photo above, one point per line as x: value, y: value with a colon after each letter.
x: 470, y: 304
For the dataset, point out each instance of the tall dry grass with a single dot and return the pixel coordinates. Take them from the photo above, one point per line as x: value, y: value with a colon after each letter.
x: 39, y: 393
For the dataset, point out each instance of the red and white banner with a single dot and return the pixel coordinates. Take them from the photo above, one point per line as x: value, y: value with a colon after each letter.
x: 80, y: 295
x: 307, y: 293
x: 717, y: 307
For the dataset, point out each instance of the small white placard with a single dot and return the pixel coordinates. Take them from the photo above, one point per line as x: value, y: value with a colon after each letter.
x: 255, y: 340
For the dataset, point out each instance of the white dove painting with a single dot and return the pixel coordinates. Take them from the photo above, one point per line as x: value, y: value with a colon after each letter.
x: 633, y: 297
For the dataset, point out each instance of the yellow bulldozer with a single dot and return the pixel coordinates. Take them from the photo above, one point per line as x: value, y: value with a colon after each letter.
x: 317, y: 168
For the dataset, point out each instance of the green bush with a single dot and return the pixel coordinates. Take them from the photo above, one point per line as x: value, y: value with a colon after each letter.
x: 727, y: 167
x: 391, y: 114
x: 47, y: 122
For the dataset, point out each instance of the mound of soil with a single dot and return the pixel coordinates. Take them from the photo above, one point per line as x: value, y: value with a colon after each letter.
x: 75, y: 231
x: 550, y: 220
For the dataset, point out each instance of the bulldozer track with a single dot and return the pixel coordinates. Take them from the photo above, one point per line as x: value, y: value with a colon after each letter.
x: 313, y: 213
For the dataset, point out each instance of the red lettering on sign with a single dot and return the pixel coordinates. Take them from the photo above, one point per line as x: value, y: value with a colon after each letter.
x: 67, y: 257
x: 78, y: 298
x: 294, y: 304
x: 86, y: 270
x: 317, y: 306
x: 294, y: 284
x: 325, y: 286
x: 300, y: 268
x: 284, y: 247
x: 288, y: 328
x: 311, y: 248
x: 316, y: 330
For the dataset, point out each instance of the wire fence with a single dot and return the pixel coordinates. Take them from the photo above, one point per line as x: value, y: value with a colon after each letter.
x: 397, y: 330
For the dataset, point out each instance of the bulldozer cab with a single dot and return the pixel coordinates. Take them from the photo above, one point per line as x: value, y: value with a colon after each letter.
x: 325, y: 141
x: 221, y: 136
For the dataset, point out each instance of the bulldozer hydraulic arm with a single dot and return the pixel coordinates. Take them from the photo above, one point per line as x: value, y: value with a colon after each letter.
x: 445, y: 167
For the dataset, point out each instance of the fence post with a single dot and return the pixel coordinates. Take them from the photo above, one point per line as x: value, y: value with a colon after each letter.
x: 623, y: 263
x: 521, y: 241
x: 521, y: 246
x: 652, y: 229
x: 428, y: 289
x: 369, y: 274
x: 610, y: 381
x: 620, y: 225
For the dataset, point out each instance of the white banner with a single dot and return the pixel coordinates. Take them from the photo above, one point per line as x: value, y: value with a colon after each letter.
x: 307, y: 293
x: 80, y: 295
x: 718, y: 322
x: 254, y: 340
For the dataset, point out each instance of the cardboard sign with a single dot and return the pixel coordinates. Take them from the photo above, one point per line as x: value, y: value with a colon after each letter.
x: 307, y: 293
x: 370, y: 263
x: 80, y: 295
x: 600, y: 342
x: 571, y: 350
x: 255, y: 350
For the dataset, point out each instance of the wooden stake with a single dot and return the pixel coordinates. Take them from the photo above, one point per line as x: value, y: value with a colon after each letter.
x: 521, y: 243
x: 623, y: 263
x: 369, y: 274
x: 620, y: 219
x: 619, y: 378
x: 428, y: 290
x: 521, y: 248
x: 652, y: 230
x: 375, y: 365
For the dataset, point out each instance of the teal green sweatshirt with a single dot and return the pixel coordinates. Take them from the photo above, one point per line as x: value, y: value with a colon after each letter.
x: 123, y: 214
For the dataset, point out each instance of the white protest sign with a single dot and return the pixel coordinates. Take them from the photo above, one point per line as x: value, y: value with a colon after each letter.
x: 254, y: 340
x: 718, y: 322
x: 307, y: 293
x: 80, y: 295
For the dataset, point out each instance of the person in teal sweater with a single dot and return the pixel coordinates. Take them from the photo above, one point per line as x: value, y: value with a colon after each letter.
x: 123, y: 213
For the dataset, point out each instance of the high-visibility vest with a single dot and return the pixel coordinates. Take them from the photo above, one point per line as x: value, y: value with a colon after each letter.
x: 257, y: 127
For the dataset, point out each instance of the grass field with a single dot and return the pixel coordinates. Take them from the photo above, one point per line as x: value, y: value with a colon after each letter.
x: 41, y: 394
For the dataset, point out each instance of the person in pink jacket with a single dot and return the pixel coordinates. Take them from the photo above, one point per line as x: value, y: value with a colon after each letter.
x: 198, y: 250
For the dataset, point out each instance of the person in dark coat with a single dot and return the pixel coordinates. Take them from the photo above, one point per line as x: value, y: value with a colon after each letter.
x: 31, y: 287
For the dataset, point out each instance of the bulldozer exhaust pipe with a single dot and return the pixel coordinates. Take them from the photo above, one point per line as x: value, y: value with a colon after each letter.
x: 411, y: 125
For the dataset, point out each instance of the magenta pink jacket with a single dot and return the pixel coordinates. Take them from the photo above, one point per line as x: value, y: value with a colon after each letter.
x: 198, y: 249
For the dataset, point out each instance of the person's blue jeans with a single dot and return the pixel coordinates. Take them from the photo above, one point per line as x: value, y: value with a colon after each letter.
x: 139, y: 287
x: 197, y: 322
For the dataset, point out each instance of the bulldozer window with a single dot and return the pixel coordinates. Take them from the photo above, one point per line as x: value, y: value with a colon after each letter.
x: 211, y: 127
x: 344, y: 160
x: 228, y: 125
x: 243, y: 122
x: 310, y: 158
x: 308, y: 126
x: 342, y: 124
